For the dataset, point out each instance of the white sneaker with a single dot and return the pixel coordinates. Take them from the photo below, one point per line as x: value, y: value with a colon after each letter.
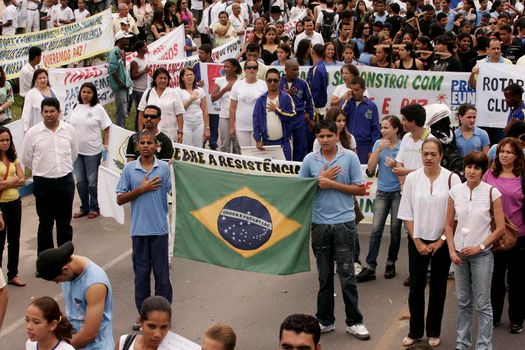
x: 326, y: 329
x: 357, y: 268
x: 359, y: 331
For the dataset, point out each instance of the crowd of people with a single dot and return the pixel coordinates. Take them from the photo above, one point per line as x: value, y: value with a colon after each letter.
x: 452, y: 215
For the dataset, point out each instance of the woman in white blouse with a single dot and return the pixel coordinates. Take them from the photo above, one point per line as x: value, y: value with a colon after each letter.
x: 196, y: 119
x: 423, y: 209
x: 40, y: 89
x: 469, y: 247
x: 244, y: 93
x: 167, y: 99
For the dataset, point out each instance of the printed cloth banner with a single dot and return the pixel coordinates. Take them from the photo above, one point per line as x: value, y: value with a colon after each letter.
x: 390, y: 89
x: 66, y: 82
x: 107, y: 196
x: 118, y: 142
x: 490, y: 104
x: 243, y: 221
x: 67, y: 44
x: 168, y: 47
x: 267, y: 167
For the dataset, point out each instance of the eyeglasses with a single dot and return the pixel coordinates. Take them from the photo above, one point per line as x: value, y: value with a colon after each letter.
x: 272, y: 80
x: 251, y: 67
x: 150, y: 116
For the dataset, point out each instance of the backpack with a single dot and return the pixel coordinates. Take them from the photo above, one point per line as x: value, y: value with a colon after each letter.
x: 328, y: 24
x: 453, y: 160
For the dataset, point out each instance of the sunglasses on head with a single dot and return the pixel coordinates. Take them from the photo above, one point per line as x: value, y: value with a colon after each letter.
x: 150, y: 116
x: 272, y: 80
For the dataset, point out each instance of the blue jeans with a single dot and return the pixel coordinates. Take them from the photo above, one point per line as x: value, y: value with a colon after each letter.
x: 214, y: 130
x: 385, y: 203
x: 150, y: 253
x: 473, y: 281
x: 121, y: 105
x: 86, y: 174
x: 331, y: 242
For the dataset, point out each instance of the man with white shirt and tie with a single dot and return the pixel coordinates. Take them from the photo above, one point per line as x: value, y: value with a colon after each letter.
x: 50, y: 148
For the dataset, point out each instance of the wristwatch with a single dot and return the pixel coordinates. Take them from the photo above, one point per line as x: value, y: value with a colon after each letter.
x: 443, y: 237
x: 482, y: 246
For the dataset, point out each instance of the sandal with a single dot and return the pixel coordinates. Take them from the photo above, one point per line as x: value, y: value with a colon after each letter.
x: 93, y: 214
x: 433, y: 342
x: 80, y: 214
x: 16, y: 281
x: 407, y: 341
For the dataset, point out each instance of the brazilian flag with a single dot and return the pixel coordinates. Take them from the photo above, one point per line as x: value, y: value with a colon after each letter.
x: 245, y: 222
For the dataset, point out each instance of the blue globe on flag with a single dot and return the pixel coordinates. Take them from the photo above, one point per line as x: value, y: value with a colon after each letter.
x: 245, y: 223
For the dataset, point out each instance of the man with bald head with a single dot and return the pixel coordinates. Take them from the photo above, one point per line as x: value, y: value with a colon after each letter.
x: 123, y: 16
x: 304, y: 107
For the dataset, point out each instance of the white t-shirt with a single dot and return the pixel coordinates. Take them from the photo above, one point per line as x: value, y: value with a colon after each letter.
x: 26, y: 76
x: 316, y: 38
x: 89, y: 121
x: 274, y: 126
x: 141, y: 84
x: 81, y: 15
x: 426, y: 208
x: 225, y: 98
x: 10, y: 15
x: 246, y: 94
x: 32, y: 345
x: 410, y: 152
x: 170, y: 105
x: 472, y: 213
x: 340, y: 90
x: 64, y: 14
x: 194, y: 110
x: 197, y: 5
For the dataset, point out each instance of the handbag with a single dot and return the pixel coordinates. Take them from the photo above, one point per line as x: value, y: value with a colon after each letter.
x: 509, y: 238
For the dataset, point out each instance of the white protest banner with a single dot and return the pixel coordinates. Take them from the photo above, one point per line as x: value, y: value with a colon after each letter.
x: 63, y: 45
x: 168, y: 47
x: 107, y: 195
x: 264, y: 167
x: 118, y: 143
x: 66, y: 82
x: 492, y: 110
x: 228, y: 50
x: 390, y: 89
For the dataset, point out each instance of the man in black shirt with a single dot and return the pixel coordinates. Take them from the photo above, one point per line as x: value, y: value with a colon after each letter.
x: 465, y: 51
x: 445, y: 61
x: 151, y: 119
x: 344, y: 38
x: 511, y: 47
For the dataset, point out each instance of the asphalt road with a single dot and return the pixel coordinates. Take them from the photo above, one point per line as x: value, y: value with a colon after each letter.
x: 253, y: 304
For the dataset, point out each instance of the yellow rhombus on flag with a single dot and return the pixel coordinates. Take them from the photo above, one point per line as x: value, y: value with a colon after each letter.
x: 279, y: 225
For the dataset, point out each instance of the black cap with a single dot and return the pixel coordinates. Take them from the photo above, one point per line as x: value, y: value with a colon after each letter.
x: 275, y: 9
x: 50, y: 262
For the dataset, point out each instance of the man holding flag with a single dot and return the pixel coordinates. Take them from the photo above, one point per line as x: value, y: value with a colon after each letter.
x: 333, y: 230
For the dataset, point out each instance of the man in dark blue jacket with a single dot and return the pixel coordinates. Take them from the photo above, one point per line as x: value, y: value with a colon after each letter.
x: 272, y: 114
x: 317, y: 78
x: 299, y: 90
x: 362, y: 119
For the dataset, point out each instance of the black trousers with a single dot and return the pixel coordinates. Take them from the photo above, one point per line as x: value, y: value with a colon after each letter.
x: 54, y: 203
x: 12, y: 219
x: 509, y: 264
x: 418, y: 266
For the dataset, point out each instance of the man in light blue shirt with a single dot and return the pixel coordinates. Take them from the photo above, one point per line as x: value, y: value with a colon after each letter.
x: 333, y: 226
x: 145, y: 183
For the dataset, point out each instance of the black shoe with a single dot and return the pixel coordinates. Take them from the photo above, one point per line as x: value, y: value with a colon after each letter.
x: 390, y: 271
x: 515, y: 328
x: 406, y: 282
x: 366, y: 275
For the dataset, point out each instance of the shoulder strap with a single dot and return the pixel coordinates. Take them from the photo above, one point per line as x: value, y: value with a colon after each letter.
x: 147, y: 95
x: 129, y: 340
x: 491, y: 210
x: 450, y: 180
